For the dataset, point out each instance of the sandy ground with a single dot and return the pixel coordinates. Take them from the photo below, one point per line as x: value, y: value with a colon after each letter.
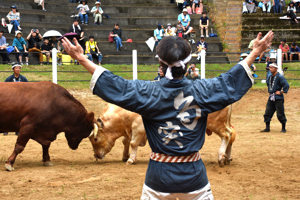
x: 265, y: 165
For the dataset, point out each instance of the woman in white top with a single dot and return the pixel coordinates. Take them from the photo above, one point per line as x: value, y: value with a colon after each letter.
x: 83, y: 9
x: 291, y: 12
x: 97, y: 12
x: 14, y: 18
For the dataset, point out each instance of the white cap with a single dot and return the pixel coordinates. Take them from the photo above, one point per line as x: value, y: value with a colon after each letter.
x: 244, y: 55
x: 17, y: 32
x: 273, y: 65
x: 169, y: 24
x: 97, y: 2
x: 16, y: 65
x: 184, y: 10
x: 273, y: 55
x: 202, y: 36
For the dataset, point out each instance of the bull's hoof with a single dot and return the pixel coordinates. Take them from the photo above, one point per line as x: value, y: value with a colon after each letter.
x: 48, y: 164
x: 9, y: 167
x: 130, y: 161
x: 227, y: 161
x: 222, y: 162
x: 125, y: 159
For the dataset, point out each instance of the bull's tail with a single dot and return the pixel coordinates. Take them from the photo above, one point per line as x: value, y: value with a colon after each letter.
x: 229, y: 127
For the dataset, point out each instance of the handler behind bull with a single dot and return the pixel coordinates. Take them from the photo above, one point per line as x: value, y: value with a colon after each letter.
x: 174, y: 112
x: 277, y: 85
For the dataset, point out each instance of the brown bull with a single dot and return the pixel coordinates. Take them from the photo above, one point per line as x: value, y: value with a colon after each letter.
x: 40, y: 111
x: 116, y: 122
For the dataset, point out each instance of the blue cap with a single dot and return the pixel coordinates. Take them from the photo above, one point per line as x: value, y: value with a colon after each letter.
x: 15, y: 7
x: 158, y: 24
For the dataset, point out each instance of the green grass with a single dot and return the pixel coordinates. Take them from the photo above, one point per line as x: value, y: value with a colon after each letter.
x: 126, y: 72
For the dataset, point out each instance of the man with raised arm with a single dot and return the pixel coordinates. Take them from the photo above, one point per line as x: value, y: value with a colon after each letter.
x: 174, y: 112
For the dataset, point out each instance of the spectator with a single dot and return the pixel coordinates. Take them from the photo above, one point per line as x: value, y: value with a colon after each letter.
x: 204, y: 23
x: 20, y: 47
x: 201, y: 45
x: 47, y: 49
x: 244, y: 56
x: 192, y: 72
x: 185, y: 20
x: 294, y: 52
x: 251, y: 6
x: 170, y: 31
x: 179, y: 30
x: 285, y: 49
x: 42, y: 3
x: 291, y: 13
x: 264, y: 54
x: 14, y: 18
x: 195, y: 3
x: 189, y: 5
x: 54, y: 42
x: 75, y: 28
x: 250, y: 46
x: 97, y: 13
x: 277, y: 7
x: 117, y: 34
x: 161, y: 74
x: 159, y: 34
x: 3, y: 51
x: 90, y: 49
x: 83, y: 9
x: 266, y: 6
x: 33, y: 39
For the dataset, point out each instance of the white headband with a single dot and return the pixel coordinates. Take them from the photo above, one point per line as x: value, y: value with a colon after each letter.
x: 179, y: 63
x: 273, y: 65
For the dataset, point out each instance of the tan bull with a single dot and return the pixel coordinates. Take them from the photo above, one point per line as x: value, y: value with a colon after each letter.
x: 116, y: 122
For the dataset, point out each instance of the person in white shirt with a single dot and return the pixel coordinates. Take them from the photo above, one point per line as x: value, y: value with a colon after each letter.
x: 83, y: 9
x: 97, y: 13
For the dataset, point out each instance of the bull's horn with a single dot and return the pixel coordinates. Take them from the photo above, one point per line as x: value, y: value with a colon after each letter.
x: 95, y: 130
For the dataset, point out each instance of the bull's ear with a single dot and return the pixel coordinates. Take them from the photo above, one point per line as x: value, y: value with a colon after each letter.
x: 100, y: 122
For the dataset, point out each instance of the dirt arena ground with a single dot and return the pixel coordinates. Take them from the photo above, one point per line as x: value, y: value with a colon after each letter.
x: 265, y: 165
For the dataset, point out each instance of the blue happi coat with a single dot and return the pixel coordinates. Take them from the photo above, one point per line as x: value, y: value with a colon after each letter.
x: 279, y: 82
x: 174, y: 113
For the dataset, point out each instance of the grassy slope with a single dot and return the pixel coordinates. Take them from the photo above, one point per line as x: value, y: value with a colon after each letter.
x: 152, y: 72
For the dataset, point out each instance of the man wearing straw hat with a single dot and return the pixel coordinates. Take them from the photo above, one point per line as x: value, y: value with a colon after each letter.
x: 174, y: 112
x: 277, y: 85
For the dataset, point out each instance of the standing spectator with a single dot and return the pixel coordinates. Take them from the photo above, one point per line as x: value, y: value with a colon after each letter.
x: 97, y: 13
x: 179, y: 30
x: 185, y: 20
x: 277, y: 85
x: 42, y: 3
x: 204, y: 23
x: 47, y: 49
x: 291, y: 13
x: 75, y: 28
x: 20, y: 47
x: 277, y: 7
x: 266, y: 6
x: 14, y: 18
x: 285, y: 49
x: 192, y: 72
x: 3, y: 51
x: 158, y: 34
x: 294, y: 52
x: 201, y: 45
x: 250, y: 5
x: 117, y: 34
x: 83, y: 9
x: 33, y: 39
x: 91, y: 49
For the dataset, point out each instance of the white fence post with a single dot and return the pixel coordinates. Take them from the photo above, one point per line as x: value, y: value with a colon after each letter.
x: 54, y: 65
x: 202, y: 64
x: 134, y: 64
x: 279, y: 60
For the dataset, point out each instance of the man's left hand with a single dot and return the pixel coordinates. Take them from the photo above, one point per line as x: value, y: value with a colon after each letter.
x: 278, y: 93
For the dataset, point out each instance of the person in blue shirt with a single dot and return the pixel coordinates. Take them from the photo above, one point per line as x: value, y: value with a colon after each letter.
x: 185, y: 20
x: 294, y: 52
x: 158, y: 34
x: 20, y: 47
x: 277, y: 85
x: 3, y: 51
x: 174, y: 112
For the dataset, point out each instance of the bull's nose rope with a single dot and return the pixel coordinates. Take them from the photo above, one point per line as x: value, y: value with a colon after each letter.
x: 159, y: 157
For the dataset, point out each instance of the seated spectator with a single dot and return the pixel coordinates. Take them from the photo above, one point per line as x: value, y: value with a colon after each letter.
x: 117, y: 34
x: 195, y: 4
x: 285, y: 49
x: 170, y: 31
x: 91, y: 49
x: 291, y: 13
x: 42, y: 3
x: 185, y: 20
x: 192, y: 73
x: 83, y: 9
x: 33, y: 39
x: 264, y: 54
x: 3, y: 51
x: 54, y: 42
x: 47, y: 49
x: 204, y: 23
x: 244, y: 55
x: 251, y: 6
x: 179, y: 30
x: 14, y: 18
x: 277, y: 7
x: 97, y: 13
x: 159, y: 34
x: 161, y: 74
x: 201, y: 45
x: 189, y: 5
x: 266, y: 6
x: 20, y: 47
x: 294, y: 52
x: 250, y: 46
x: 75, y: 28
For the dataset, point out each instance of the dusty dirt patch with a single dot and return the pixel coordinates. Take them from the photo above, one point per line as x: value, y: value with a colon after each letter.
x: 264, y: 166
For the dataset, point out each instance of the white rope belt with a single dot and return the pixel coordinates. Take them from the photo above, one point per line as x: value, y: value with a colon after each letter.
x: 159, y: 157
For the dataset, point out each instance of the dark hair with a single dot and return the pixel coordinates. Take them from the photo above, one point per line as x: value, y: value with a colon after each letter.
x: 173, y: 49
x: 1, y: 31
x: 116, y: 24
x: 75, y: 20
x: 293, y: 44
x: 283, y: 40
x: 91, y: 36
x: 204, y: 12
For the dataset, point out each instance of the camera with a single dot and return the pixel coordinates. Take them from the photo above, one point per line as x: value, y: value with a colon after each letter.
x: 34, y: 30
